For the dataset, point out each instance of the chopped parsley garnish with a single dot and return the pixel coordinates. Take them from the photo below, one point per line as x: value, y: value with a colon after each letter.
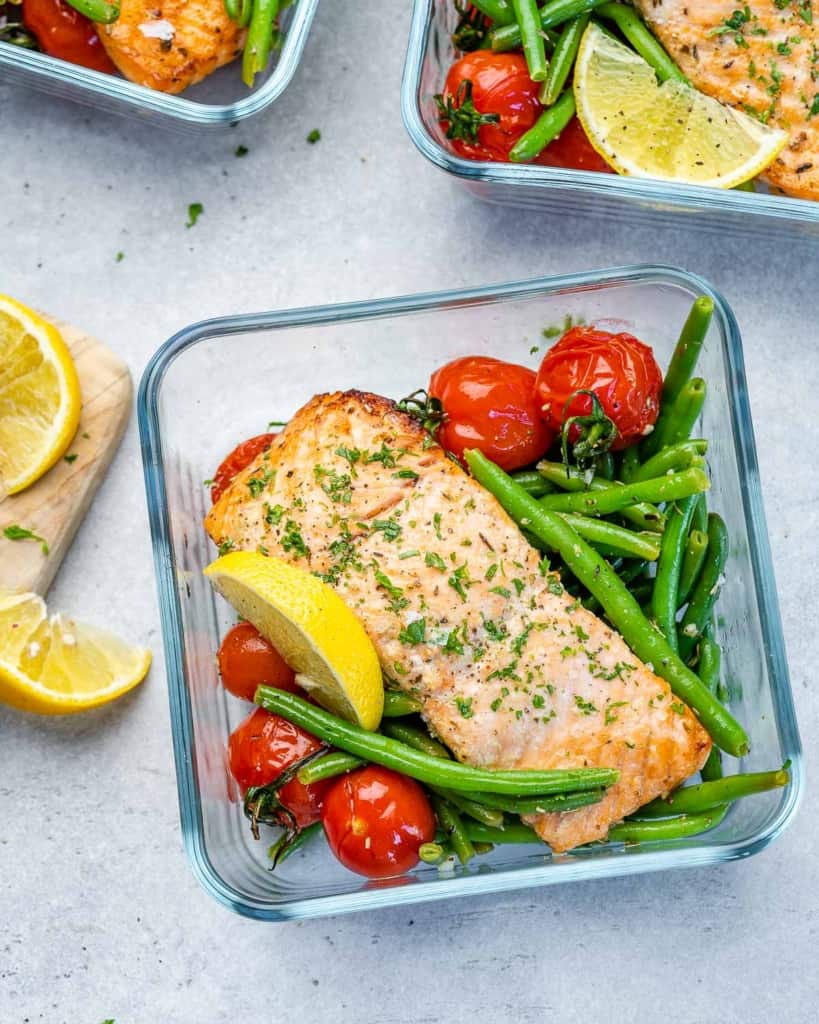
x: 337, y: 486
x: 460, y: 581
x: 568, y: 652
x: 538, y: 701
x: 352, y: 455
x: 581, y: 633
x: 195, y: 211
x: 496, y: 703
x: 678, y: 708
x: 15, y: 532
x: 256, y: 484
x: 436, y: 523
x: 409, y: 554
x: 555, y: 587
x: 518, y: 585
x: 406, y: 474
x: 71, y: 458
x: 610, y: 712
x: 434, y: 561
x: 313, y: 136
x: 241, y: 151
x: 584, y: 706
x: 395, y: 594
x: 491, y: 572
x: 385, y: 455
x: 226, y: 544
x: 520, y: 640
x: 496, y: 631
x: 507, y: 672
x: 414, y: 633
x: 272, y: 514
x: 502, y: 591
x: 453, y: 644
x: 389, y: 527
x: 464, y: 705
x: 292, y: 539
x: 120, y: 256
x: 814, y: 107
x: 543, y: 566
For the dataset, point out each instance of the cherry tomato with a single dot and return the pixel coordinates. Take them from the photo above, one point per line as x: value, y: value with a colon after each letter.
x: 240, y: 458
x: 246, y: 660
x: 262, y: 747
x: 490, y: 405
x: 375, y: 820
x: 63, y: 32
x: 618, y: 368
x: 572, y: 149
x: 481, y: 84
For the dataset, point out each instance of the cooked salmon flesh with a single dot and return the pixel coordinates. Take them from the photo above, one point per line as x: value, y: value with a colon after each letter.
x: 761, y: 57
x: 171, y: 44
x: 512, y: 672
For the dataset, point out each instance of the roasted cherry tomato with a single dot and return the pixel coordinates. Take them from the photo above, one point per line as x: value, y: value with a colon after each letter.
x: 375, y: 820
x: 488, y: 102
x: 619, y: 369
x: 246, y: 660
x: 262, y: 747
x: 490, y: 405
x: 63, y: 32
x: 240, y: 458
x: 572, y: 149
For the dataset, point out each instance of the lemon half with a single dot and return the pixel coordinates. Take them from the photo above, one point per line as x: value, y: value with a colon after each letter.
x: 56, y: 666
x: 312, y: 628
x: 669, y: 130
x: 39, y: 396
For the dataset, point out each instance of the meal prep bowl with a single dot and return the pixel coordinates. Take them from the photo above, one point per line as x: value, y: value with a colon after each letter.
x: 429, y: 56
x: 220, y: 101
x: 220, y: 381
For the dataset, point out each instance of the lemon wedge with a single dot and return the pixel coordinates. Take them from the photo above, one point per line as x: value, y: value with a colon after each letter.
x: 669, y: 130
x: 56, y: 666
x: 39, y: 396
x: 312, y: 628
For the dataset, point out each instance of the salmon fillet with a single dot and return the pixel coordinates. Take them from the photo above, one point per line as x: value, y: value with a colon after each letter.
x: 171, y: 44
x: 761, y: 57
x: 511, y: 671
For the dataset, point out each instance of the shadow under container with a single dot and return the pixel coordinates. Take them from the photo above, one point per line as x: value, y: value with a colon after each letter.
x: 221, y: 101
x: 562, y: 190
x: 220, y: 381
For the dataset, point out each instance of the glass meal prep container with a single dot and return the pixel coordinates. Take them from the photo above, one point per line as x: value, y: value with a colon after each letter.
x: 220, y: 381
x: 220, y: 101
x: 429, y: 56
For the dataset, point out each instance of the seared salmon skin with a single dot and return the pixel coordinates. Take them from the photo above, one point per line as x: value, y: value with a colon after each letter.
x: 761, y: 57
x: 171, y: 44
x: 512, y: 672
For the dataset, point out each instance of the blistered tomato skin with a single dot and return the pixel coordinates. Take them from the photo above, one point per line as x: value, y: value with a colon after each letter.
x: 240, y: 458
x: 375, y: 821
x: 619, y: 368
x: 63, y: 32
x: 490, y: 405
x: 262, y: 747
x: 572, y: 149
x: 246, y: 660
x: 500, y: 84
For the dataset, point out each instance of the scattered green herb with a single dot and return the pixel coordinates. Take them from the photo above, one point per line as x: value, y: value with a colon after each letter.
x: 15, y: 532
x: 195, y: 211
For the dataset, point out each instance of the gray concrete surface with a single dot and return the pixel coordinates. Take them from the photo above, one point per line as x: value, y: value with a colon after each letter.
x: 101, y: 916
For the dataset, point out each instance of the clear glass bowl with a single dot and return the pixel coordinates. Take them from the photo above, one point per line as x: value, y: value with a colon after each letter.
x: 429, y: 56
x: 220, y: 101
x: 220, y: 381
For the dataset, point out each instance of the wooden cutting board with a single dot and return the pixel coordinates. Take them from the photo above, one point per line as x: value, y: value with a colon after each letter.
x: 55, y: 506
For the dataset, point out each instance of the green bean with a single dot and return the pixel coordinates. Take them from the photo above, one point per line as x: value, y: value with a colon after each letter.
x: 431, y: 770
x: 531, y: 481
x: 97, y: 10
x: 547, y: 127
x: 646, y: 516
x: 694, y: 555
x: 627, y: 575
x: 239, y: 11
x: 450, y: 821
x: 467, y: 806
x: 666, y: 828
x: 562, y: 60
x: 499, y: 11
x: 435, y: 853
x: 665, y: 593
x: 414, y: 737
x: 528, y: 21
x: 706, y: 589
x: 629, y: 464
x: 708, y: 669
x: 538, y: 804
x: 633, y: 28
x: 512, y: 832
x: 616, y: 497
x: 705, y: 796
x: 670, y: 460
x: 700, y: 518
x: 397, y: 705
x: 327, y: 767
x: 612, y: 540
x: 507, y: 37
x: 620, y: 607
x: 678, y: 422
x: 605, y: 466
x: 288, y: 843
x: 259, y: 40
x: 688, y: 348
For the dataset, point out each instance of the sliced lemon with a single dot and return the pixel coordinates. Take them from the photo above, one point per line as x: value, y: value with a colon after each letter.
x: 39, y: 396
x: 312, y: 628
x: 56, y: 666
x: 669, y: 130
